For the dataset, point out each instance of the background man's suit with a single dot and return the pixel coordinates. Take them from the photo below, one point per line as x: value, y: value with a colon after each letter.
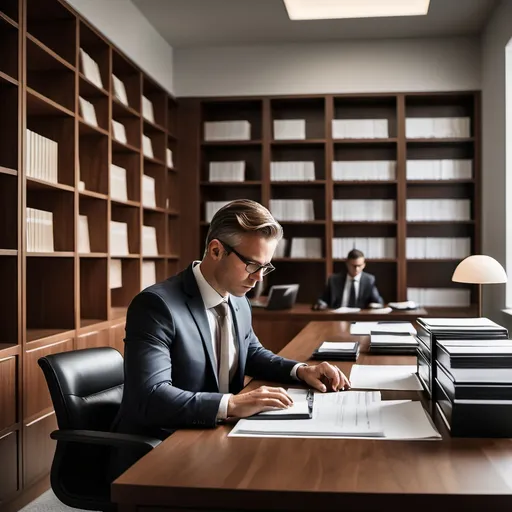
x: 171, y: 378
x: 368, y: 292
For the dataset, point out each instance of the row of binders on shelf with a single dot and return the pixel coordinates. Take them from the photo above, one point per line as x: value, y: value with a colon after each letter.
x: 437, y: 248
x: 39, y: 230
x: 465, y: 366
x: 91, y: 71
x: 295, y: 129
x: 348, y: 170
x: 372, y: 247
x: 438, y: 209
x: 440, y: 297
x: 148, y: 275
x: 307, y: 247
x: 42, y: 157
x: 119, y: 189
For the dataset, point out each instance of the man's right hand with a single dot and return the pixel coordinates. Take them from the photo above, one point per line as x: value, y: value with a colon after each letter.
x: 261, y: 399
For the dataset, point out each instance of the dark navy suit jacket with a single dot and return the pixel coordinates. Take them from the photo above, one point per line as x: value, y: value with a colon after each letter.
x: 170, y: 373
x: 368, y: 292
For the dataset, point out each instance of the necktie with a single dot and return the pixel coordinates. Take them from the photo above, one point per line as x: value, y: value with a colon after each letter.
x: 352, y: 295
x: 223, y: 329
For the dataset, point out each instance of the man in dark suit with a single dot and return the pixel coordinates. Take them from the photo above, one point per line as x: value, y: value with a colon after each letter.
x: 189, y: 340
x: 353, y: 288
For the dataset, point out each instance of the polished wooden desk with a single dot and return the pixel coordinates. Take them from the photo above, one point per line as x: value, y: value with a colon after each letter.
x: 198, y: 470
x: 275, y: 329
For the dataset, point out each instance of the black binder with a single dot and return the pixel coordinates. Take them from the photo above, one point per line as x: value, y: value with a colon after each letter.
x: 488, y: 353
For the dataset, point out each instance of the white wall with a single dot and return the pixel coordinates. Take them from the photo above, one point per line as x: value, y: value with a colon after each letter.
x: 362, y: 66
x: 495, y: 37
x: 124, y: 25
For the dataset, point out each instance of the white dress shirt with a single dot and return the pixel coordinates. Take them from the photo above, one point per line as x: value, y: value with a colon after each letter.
x: 212, y: 298
x: 346, y: 290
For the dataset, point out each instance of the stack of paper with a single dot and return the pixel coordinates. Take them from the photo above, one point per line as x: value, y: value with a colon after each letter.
x: 393, y: 343
x: 388, y: 327
x: 397, y: 377
x: 337, y: 350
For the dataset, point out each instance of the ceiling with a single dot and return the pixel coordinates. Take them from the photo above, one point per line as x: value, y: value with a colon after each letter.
x: 192, y: 23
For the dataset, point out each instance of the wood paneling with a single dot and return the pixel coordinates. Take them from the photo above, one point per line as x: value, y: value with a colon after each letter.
x: 94, y: 339
x: 8, y: 395
x: 9, y: 483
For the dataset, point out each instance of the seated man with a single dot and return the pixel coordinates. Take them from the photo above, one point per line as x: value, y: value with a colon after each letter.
x: 353, y: 288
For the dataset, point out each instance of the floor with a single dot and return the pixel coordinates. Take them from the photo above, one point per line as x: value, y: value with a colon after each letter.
x: 48, y: 502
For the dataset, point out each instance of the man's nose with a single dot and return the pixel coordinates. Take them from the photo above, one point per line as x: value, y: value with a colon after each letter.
x: 257, y: 276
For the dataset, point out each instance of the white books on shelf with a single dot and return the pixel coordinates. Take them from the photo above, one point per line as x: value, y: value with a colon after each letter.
x: 373, y: 247
x: 115, y: 274
x: 148, y: 273
x: 363, y: 210
x: 39, y: 230
x: 364, y: 170
x: 148, y: 191
x: 292, y: 171
x: 292, y: 209
x: 147, y: 109
x: 118, y: 187
x: 360, y: 129
x: 437, y: 127
x: 280, y: 251
x: 306, y: 248
x: 437, y: 248
x: 84, y: 244
x: 90, y: 69
x: 88, y: 111
x: 147, y: 146
x: 227, y: 130
x: 226, y: 171
x: 81, y: 186
x: 444, y: 169
x: 119, y: 131
x: 119, y: 90
x: 119, y: 238
x: 149, y: 244
x: 439, y: 297
x: 169, y: 158
x: 41, y: 157
x: 289, y: 129
x: 438, y: 209
x: 212, y: 207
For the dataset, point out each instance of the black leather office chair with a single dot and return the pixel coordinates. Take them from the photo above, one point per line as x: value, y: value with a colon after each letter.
x: 86, y: 388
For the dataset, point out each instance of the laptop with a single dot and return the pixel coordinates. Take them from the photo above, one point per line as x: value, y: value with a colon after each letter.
x: 281, y: 296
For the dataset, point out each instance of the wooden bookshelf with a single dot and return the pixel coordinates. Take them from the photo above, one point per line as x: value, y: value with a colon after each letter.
x: 395, y: 273
x: 62, y: 300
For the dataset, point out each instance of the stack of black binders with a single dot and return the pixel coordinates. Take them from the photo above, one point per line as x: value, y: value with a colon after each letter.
x: 337, y: 351
x: 473, y: 387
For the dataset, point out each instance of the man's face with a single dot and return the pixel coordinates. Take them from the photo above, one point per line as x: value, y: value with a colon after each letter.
x: 230, y: 272
x: 355, y: 267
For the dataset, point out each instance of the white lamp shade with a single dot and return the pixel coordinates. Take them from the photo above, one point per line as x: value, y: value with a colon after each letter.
x: 479, y: 269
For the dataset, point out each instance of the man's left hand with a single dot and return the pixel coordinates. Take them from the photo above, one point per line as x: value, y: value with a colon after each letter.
x: 323, y: 376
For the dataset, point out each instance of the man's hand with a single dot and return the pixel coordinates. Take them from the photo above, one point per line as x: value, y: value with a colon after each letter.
x: 323, y: 376
x: 261, y: 399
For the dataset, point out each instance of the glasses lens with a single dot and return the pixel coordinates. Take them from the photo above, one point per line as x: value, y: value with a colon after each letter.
x: 267, y: 270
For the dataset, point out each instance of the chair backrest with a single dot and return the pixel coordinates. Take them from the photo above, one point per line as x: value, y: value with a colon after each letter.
x: 86, y: 387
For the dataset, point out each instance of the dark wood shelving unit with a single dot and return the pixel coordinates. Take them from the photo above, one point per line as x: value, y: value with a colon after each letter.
x: 62, y: 300
x: 394, y: 274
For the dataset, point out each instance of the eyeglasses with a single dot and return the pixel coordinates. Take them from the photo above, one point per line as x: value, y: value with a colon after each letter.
x: 251, y: 267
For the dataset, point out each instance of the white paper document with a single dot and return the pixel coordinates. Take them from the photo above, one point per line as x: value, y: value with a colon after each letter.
x: 348, y: 413
x: 473, y: 323
x: 393, y: 339
x: 341, y: 346
x: 346, y: 309
x: 398, y: 377
x: 300, y: 404
x: 362, y: 328
x: 394, y: 328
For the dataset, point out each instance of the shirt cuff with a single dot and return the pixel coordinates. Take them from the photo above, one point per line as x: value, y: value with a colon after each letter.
x: 222, y: 413
x: 293, y: 373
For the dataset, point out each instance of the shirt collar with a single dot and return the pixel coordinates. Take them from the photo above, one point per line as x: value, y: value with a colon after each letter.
x: 210, y: 296
x: 357, y: 278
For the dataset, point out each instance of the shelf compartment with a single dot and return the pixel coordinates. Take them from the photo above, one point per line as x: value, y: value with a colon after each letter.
x: 130, y: 162
x: 61, y: 204
x: 10, y: 8
x: 158, y: 97
x: 158, y: 173
x: 441, y: 190
x: 9, y: 49
x: 93, y: 157
x: 50, y: 293
x: 368, y: 107
x: 234, y: 110
x: 172, y: 117
x: 158, y: 143
x: 291, y: 271
x: 173, y: 235
x: 312, y: 110
x: 50, y: 77
x: 385, y: 275
x: 381, y: 190
x: 131, y: 275
x: 297, y: 153
x: 250, y: 155
x: 8, y: 125
x: 366, y: 230
x: 439, y: 150
x: 100, y: 103
x: 131, y: 216
x: 302, y: 231
x: 98, y: 49
x: 317, y: 194
x: 93, y: 289
x: 9, y: 311
x: 58, y: 127
x: 131, y: 78
x: 228, y: 194
x: 157, y: 220
x: 160, y: 269
x: 9, y: 218
x: 173, y: 192
x: 448, y: 230
x: 96, y: 211
x: 132, y: 129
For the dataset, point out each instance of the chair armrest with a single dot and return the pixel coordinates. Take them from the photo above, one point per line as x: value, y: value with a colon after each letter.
x: 113, y: 439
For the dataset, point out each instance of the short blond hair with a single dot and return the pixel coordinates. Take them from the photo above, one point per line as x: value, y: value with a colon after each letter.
x: 241, y: 217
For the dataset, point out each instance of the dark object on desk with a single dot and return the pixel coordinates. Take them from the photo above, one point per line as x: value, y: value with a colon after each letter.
x: 485, y: 354
x: 281, y: 296
x: 350, y: 354
x: 86, y: 387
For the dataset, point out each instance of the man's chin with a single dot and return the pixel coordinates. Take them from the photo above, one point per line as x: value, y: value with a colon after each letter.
x: 241, y: 292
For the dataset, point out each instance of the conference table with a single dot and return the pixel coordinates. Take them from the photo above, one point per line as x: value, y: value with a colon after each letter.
x: 204, y: 470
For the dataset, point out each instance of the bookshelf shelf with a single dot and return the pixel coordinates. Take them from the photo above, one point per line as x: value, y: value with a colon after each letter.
x: 300, y: 183
x: 122, y: 147
x: 8, y: 252
x: 253, y: 183
x: 40, y: 105
x: 9, y: 12
x: 88, y: 129
x: 6, y: 79
x: 121, y: 110
x: 9, y: 41
x: 35, y: 335
x: 231, y: 143
x: 9, y: 172
x: 150, y: 127
x: 89, y: 89
x: 46, y: 186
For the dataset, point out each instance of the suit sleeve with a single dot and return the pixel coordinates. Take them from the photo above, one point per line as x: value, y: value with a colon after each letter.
x: 375, y: 295
x: 327, y: 294
x: 152, y: 398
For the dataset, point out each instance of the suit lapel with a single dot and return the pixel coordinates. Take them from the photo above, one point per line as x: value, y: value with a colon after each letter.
x: 362, y: 285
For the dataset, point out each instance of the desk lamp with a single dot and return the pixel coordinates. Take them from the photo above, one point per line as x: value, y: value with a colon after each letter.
x: 479, y: 269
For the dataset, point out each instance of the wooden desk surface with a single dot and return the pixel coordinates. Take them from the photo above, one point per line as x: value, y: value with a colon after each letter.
x: 205, y: 470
